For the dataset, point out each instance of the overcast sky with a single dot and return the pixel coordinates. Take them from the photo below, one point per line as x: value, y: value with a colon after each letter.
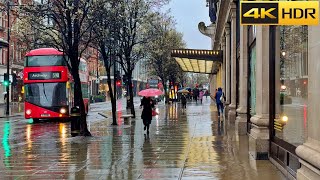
x: 188, y: 14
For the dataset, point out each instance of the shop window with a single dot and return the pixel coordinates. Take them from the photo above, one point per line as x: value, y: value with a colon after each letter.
x: 252, y: 79
x: 1, y: 20
x: 1, y: 56
x: 293, y: 85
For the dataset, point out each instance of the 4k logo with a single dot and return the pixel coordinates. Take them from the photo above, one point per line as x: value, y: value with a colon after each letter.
x: 279, y: 13
x: 254, y: 12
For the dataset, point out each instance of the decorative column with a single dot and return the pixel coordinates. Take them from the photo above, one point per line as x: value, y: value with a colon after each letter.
x: 228, y: 68
x: 309, y: 152
x: 241, y: 120
x: 232, y: 106
x: 223, y: 68
x: 259, y: 133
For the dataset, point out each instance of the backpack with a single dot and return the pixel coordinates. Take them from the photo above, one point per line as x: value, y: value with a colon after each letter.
x: 222, y: 98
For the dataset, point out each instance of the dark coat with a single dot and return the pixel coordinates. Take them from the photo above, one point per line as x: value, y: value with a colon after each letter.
x: 196, y: 92
x: 183, y: 99
x: 147, y: 109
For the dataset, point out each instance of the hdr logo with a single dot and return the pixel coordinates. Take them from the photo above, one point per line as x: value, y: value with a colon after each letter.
x: 279, y: 13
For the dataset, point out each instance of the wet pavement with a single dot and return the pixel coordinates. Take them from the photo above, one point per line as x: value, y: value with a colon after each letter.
x: 191, y: 144
x: 15, y: 109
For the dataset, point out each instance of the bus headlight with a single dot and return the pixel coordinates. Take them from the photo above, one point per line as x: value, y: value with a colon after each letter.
x: 28, y: 112
x: 63, y: 110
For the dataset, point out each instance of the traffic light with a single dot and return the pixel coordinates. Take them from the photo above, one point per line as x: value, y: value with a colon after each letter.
x: 14, y: 80
x: 118, y: 82
x: 6, y: 79
x: 124, y: 80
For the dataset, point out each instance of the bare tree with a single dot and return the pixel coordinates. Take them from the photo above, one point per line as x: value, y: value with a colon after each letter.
x: 137, y: 29
x: 107, y: 29
x: 159, y: 55
x: 68, y: 26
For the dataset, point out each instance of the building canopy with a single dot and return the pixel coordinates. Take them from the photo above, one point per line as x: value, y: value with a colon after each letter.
x: 197, y: 61
x: 3, y: 43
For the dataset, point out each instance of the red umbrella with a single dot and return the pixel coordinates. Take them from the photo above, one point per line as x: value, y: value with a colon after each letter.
x: 150, y: 92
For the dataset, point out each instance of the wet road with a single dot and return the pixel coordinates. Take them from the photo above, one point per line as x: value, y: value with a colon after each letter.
x: 182, y: 145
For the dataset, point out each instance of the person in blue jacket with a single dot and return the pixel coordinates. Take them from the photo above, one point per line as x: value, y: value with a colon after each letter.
x: 220, y: 98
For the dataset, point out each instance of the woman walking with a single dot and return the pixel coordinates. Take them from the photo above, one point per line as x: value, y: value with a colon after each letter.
x: 184, y: 101
x: 220, y: 98
x: 201, y: 95
x: 146, y: 115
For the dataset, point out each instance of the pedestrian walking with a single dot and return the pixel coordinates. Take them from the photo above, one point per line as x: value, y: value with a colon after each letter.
x: 147, y: 105
x: 201, y: 96
x: 184, y: 101
x: 215, y: 94
x: 5, y: 97
x: 196, y: 94
x: 220, y: 98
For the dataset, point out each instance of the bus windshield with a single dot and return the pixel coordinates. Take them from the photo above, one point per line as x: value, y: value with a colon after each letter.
x: 38, y: 61
x: 46, y: 94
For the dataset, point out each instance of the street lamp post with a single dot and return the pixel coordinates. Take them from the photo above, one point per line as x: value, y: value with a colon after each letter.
x: 114, y: 77
x: 98, y: 80
x: 8, y: 56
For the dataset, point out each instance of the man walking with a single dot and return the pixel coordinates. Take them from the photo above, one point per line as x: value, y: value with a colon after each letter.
x: 196, y: 94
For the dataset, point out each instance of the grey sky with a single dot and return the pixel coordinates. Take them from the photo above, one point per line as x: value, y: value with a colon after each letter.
x: 188, y: 14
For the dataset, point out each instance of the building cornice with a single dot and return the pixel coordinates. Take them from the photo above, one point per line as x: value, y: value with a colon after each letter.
x: 207, y: 30
x: 222, y: 18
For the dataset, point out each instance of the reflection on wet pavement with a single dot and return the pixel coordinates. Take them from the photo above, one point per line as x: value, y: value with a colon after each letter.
x: 15, y: 109
x: 191, y: 144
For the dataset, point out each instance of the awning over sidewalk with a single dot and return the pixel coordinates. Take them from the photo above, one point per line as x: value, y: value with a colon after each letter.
x: 3, y: 43
x: 197, y: 61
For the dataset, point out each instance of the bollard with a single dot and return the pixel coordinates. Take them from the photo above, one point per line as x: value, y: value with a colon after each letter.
x: 128, y: 102
x: 75, y: 121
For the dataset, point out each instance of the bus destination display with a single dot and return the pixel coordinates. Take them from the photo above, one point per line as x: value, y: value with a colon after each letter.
x: 44, y: 75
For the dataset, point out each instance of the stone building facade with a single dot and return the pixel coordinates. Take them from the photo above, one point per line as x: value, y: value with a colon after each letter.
x: 270, y: 75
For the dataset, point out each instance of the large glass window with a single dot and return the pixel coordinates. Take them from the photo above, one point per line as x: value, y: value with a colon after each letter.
x: 252, y: 80
x: 38, y: 61
x: 46, y: 94
x: 85, y: 90
x: 293, y: 84
x: 83, y: 66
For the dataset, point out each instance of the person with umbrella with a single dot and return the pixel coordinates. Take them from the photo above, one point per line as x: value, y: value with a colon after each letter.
x: 184, y: 101
x: 183, y: 97
x: 146, y: 115
x: 147, y: 105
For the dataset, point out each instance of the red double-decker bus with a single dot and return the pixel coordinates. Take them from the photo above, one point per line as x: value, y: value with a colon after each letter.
x: 48, y: 85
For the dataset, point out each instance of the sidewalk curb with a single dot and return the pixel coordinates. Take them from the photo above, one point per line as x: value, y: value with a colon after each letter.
x: 11, y: 103
x: 18, y: 115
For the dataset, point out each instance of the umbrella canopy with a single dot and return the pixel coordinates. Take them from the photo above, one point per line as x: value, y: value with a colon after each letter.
x: 150, y: 92
x: 183, y: 91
